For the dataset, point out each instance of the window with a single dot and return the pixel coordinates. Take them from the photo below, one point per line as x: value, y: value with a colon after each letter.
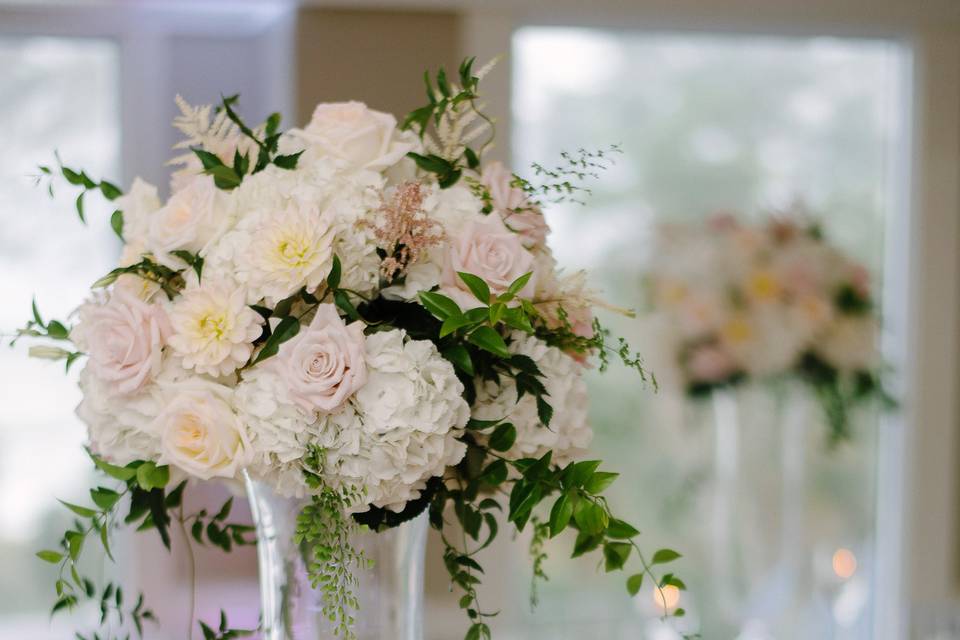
x: 62, y: 94
x: 710, y: 123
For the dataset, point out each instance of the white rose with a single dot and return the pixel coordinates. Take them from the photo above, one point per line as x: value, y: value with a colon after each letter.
x: 324, y: 364
x: 364, y: 138
x: 490, y: 251
x: 124, y: 338
x: 192, y: 218
x: 199, y: 432
x: 138, y: 205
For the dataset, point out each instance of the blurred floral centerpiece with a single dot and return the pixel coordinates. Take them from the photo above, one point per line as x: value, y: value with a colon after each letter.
x: 734, y: 302
x: 359, y: 317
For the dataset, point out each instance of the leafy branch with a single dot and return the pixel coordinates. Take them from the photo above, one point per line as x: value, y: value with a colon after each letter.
x: 87, y: 184
x: 564, y: 181
x: 229, y: 176
x: 324, y: 527
x: 450, y: 123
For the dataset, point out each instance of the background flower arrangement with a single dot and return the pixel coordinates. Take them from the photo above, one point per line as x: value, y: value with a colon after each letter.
x: 358, y: 312
x: 734, y: 302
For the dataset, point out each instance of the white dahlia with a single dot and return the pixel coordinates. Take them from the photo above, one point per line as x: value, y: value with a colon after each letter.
x: 569, y: 431
x: 277, y: 251
x: 401, y: 428
x: 213, y: 328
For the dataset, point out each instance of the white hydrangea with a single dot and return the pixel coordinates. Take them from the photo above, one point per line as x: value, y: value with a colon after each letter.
x: 569, y: 431
x: 400, y: 429
x: 276, y: 424
x: 118, y: 425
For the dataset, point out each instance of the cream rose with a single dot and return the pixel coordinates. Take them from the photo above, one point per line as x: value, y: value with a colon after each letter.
x: 513, y: 206
x: 351, y: 131
x: 324, y: 364
x: 188, y: 222
x: 490, y: 251
x: 199, y: 432
x: 124, y: 339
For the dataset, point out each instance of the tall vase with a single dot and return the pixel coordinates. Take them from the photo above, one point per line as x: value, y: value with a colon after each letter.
x: 760, y: 548
x: 390, y: 593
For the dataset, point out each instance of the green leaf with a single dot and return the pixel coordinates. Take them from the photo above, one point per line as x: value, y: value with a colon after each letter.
x: 342, y: 301
x: 224, y: 512
x: 150, y: 476
x: 74, y: 545
x: 544, y: 411
x: 120, y: 473
x: 680, y: 612
x: 615, y: 555
x: 516, y: 286
x: 585, y: 543
x: 109, y: 190
x: 104, y: 498
x: 489, y: 340
x: 560, y: 514
x: 599, y: 481
x: 591, y: 517
x: 479, y: 425
x: 207, y: 159
x: 36, y: 313
x: 116, y: 223
x: 288, y: 328
x: 663, y: 556
x: 672, y: 580
x: 439, y: 305
x: 56, y: 330
x: 288, y: 161
x: 72, y: 176
x: 634, y: 583
x: 503, y: 437
x: 621, y: 530
x: 495, y: 473
x: 83, y: 217
x: 83, y: 512
x: 454, y: 322
x: 477, y: 286
x: 53, y: 557
x: 460, y: 358
x: 333, y: 278
x: 582, y: 471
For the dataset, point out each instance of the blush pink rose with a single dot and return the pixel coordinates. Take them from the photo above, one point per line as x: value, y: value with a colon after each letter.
x: 489, y: 251
x: 513, y: 206
x: 324, y: 364
x: 710, y: 363
x: 124, y: 339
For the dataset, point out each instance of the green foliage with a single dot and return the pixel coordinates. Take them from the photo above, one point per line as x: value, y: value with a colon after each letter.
x: 324, y: 530
x: 166, y: 278
x: 229, y: 176
x: 564, y: 182
x: 143, y: 488
x: 223, y: 631
x: 79, y: 178
x: 448, y: 124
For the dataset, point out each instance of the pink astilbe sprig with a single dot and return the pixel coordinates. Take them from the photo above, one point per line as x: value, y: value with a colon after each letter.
x: 404, y: 230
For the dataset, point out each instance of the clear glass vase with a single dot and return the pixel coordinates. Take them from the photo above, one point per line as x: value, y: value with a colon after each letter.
x: 390, y: 592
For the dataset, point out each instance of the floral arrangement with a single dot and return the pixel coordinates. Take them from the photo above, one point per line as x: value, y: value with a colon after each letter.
x: 360, y: 313
x: 734, y: 302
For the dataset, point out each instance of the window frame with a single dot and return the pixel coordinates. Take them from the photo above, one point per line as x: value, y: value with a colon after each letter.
x: 918, y: 501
